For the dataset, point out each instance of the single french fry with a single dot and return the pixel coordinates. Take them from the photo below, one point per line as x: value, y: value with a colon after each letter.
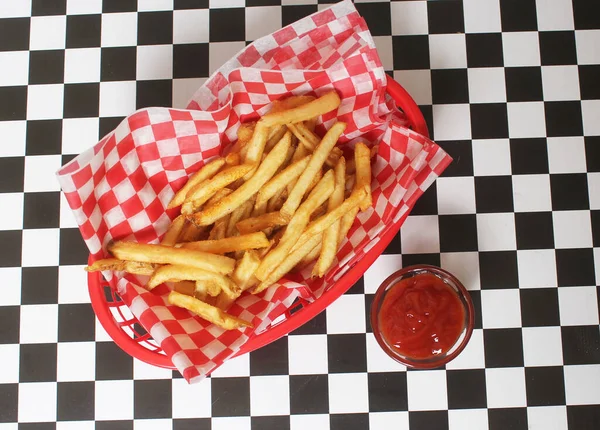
x: 168, y: 255
x: 314, y: 165
x: 205, y: 172
x: 207, y: 312
x: 351, y: 167
x: 362, y: 159
x: 315, y: 180
x: 200, y: 193
x: 259, y: 223
x: 297, y: 225
x: 330, y: 236
x: 116, y: 265
x: 243, y: 275
x: 346, y: 223
x: 186, y: 273
x: 290, y: 103
x: 320, y: 106
x: 218, y: 196
x: 256, y: 147
x: 240, y: 213
x: 230, y: 244
x: 279, y: 181
x: 265, y: 171
x: 173, y: 232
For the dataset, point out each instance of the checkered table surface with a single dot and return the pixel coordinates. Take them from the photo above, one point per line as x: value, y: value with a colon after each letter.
x: 510, y: 88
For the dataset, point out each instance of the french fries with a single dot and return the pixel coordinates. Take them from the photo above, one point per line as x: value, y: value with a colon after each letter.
x: 281, y: 199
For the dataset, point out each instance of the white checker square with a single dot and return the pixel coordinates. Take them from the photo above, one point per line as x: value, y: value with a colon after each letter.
x: 190, y: 26
x: 587, y: 42
x: 101, y: 334
x: 531, y: 193
x: 463, y: 265
x: 119, y: 29
x: 537, y: 268
x: 420, y: 235
x: 15, y: 9
x: 521, y: 49
x: 473, y: 356
x: 496, y: 232
x: 238, y: 366
x: 82, y: 65
x: 12, y: 219
x: 76, y: 361
x: 11, y: 286
x: 145, y: 371
x: 297, y: 2
x: 184, y: 89
x: 560, y: 83
x: 70, y: 280
x: 384, y: 49
x: 154, y: 5
x: 378, y: 360
x: 79, y: 134
x: 487, y: 85
x: 579, y: 388
x: 117, y: 98
x: 83, y: 7
x: 409, y: 18
x: 40, y: 173
x: 467, y: 419
x: 75, y: 425
x: 9, y: 371
x: 505, y: 387
x: 337, y: 315
x: 416, y: 82
x: 153, y: 424
x: 39, y: 324
x: 491, y: 157
x: 9, y: 426
x: 542, y: 346
x: 312, y: 421
x: 14, y: 132
x: 594, y: 190
x: 278, y: 387
x: 261, y: 21
x: 216, y: 4
x: 340, y: 384
x: 307, y: 354
x: 384, y: 266
x: 231, y: 423
x: 566, y: 154
x: 526, y: 120
x: 45, y: 101
x: 154, y: 62
x: 482, y: 16
x: 18, y: 72
x: 554, y: 15
x: 578, y: 306
x: 427, y: 390
x: 47, y: 32
x: 547, y: 417
x: 452, y: 122
x: 40, y: 247
x: 572, y: 229
x: 114, y: 400
x: 590, y: 110
x: 191, y: 400
x: 455, y: 195
x: 388, y: 420
x: 219, y: 53
x: 597, y: 264
x: 447, y: 51
x: 37, y: 402
x: 501, y: 308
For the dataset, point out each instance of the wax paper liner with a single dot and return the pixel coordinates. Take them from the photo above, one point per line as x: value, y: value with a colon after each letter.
x: 119, y: 189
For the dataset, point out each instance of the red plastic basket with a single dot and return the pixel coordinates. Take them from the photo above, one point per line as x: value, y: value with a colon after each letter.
x: 129, y: 335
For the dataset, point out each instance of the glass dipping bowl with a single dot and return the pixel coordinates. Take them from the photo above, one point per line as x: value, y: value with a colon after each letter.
x: 465, y: 299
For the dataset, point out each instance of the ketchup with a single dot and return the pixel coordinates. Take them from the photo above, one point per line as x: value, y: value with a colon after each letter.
x: 421, y: 316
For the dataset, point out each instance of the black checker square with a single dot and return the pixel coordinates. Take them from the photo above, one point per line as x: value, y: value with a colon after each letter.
x: 466, y: 389
x: 388, y: 392
x: 46, y: 67
x: 523, y: 84
x: 557, y: 48
x: 378, y: 17
x: 575, y: 267
x: 75, y: 401
x: 82, y: 100
x: 317, y: 325
x: 112, y: 362
x: 44, y: 137
x: 83, y: 31
x: 9, y: 324
x: 37, y: 362
x: 231, y: 397
x: 427, y: 203
x: 368, y: 303
x: 291, y: 14
x: 190, y: 60
x: 346, y: 353
x: 581, y: 344
x: 73, y: 249
x: 529, y: 156
x: 276, y: 422
x: 118, y: 63
x: 37, y: 426
x: 428, y: 420
x: 449, y: 86
x: 152, y: 399
x: 539, y: 307
x: 116, y: 425
x: 191, y: 424
x: 76, y: 323
x: 583, y: 417
x: 493, y: 194
x: 39, y: 285
x: 227, y: 25
x: 155, y: 28
x: 191, y: 4
x: 503, y: 347
x: 458, y: 233
x: 563, y: 118
x: 595, y: 216
x: 10, y: 256
x: 518, y: 15
x: 272, y: 359
x: 41, y: 210
x: 534, y: 230
x: 14, y: 34
x: 46, y: 8
x: 508, y: 418
x: 484, y: 50
x: 569, y: 191
x: 410, y: 52
x: 9, y: 400
x: 445, y: 17
x: 395, y: 245
x: 588, y: 84
x: 586, y: 14
x: 348, y: 421
x: 108, y: 124
x: 17, y: 108
x: 154, y: 93
x: 358, y: 287
x: 413, y: 259
x: 309, y: 394
x: 489, y: 121
x: 114, y: 6
x: 476, y: 299
x: 462, y: 153
x: 545, y: 386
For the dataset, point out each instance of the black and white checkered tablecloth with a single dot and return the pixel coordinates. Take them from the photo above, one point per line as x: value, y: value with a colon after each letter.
x: 510, y: 88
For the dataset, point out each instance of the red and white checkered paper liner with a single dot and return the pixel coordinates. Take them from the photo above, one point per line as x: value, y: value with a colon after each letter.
x: 120, y: 188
